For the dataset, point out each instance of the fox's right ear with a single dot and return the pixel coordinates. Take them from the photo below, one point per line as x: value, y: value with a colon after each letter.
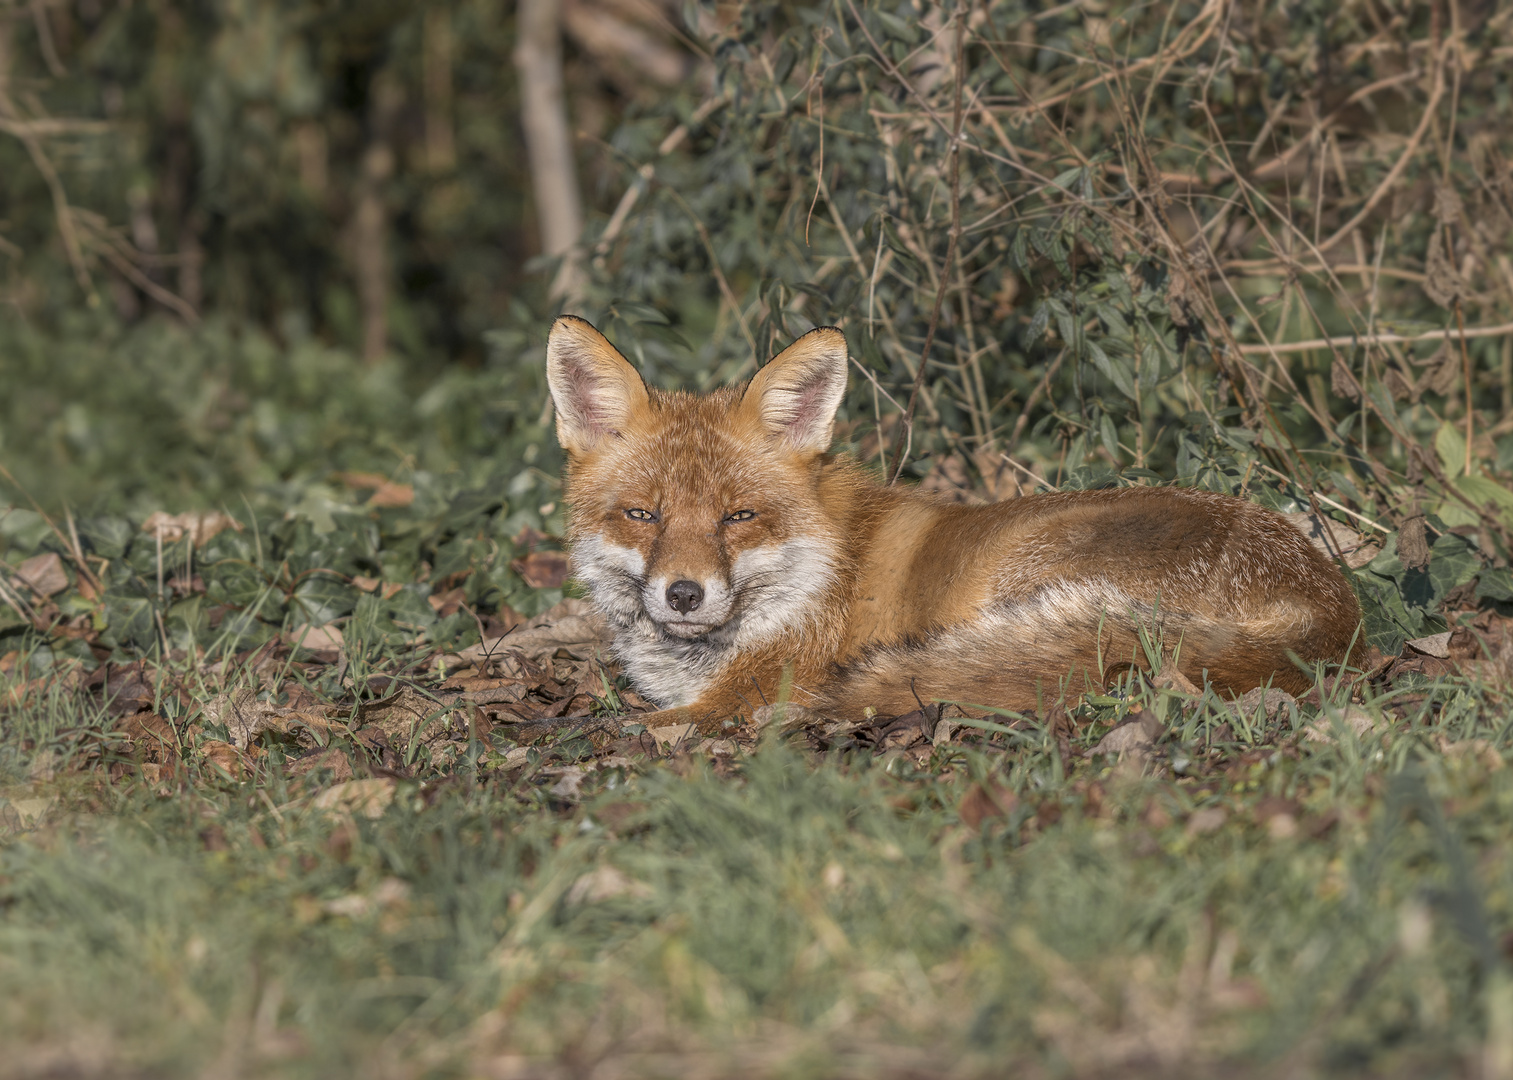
x: 594, y: 388
x: 797, y: 394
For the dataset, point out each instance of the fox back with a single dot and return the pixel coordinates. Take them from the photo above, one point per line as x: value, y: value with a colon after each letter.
x: 738, y: 561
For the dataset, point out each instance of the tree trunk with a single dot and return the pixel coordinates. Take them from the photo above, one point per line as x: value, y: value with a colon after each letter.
x: 548, y: 140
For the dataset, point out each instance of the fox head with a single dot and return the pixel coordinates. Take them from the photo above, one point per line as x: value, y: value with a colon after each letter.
x: 698, y: 515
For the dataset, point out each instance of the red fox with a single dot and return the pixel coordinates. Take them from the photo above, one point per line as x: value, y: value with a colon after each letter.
x: 738, y: 561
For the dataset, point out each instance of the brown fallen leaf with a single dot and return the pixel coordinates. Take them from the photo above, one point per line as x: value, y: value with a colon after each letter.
x: 1351, y: 717
x: 391, y: 892
x: 1336, y: 540
x: 405, y: 715
x: 1413, y: 543
x: 605, y: 883
x: 198, y: 526
x: 787, y: 715
x: 392, y: 496
x: 225, y: 757
x: 674, y: 736
x: 130, y: 688
x: 370, y: 797
x: 569, y: 780
x: 913, y: 727
x: 242, y: 715
x: 1436, y: 645
x: 447, y: 603
x: 1270, y: 704
x: 542, y: 569
x: 332, y: 757
x: 584, y: 635
x: 1172, y: 679
x: 43, y: 574
x: 986, y: 800
x: 1134, y: 738
x: 327, y: 638
x: 151, y: 735
x: 1205, y: 820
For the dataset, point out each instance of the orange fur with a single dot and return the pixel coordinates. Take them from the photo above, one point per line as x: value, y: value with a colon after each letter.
x: 739, y: 561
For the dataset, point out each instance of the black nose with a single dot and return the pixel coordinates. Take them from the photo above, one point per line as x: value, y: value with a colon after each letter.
x: 684, y: 596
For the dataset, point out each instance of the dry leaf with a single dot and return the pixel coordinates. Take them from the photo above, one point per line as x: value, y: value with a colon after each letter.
x: 30, y: 812
x: 199, y: 527
x: 325, y: 638
x: 542, y: 569
x: 1355, y: 719
x: 391, y: 495
x: 1171, y: 678
x: 391, y: 892
x: 332, y: 757
x: 584, y: 635
x: 606, y: 883
x: 223, y: 756
x: 570, y: 779
x: 1437, y: 645
x: 1413, y: 543
x: 43, y: 574
x: 447, y: 603
x: 1206, y: 820
x: 673, y: 736
x: 357, y: 479
x: 787, y: 716
x: 1336, y: 540
x: 1135, y: 738
x: 1270, y: 703
x: 242, y: 715
x: 405, y: 715
x: 369, y: 797
x: 986, y: 800
x: 1343, y: 381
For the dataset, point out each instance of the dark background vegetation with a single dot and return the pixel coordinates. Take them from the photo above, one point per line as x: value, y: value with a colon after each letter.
x: 252, y: 247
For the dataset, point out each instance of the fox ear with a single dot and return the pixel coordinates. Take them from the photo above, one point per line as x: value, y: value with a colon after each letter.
x: 797, y: 393
x: 594, y: 388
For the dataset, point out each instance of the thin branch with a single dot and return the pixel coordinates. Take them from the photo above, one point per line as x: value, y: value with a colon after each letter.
x: 1448, y: 334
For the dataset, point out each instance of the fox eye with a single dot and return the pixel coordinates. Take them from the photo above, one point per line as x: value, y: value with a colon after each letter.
x: 637, y: 514
x: 740, y: 515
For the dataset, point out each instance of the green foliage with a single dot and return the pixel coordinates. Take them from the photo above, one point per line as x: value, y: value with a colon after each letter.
x: 158, y: 415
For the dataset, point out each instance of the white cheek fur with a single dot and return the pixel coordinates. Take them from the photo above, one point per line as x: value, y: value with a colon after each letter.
x: 780, y: 587
x: 772, y: 590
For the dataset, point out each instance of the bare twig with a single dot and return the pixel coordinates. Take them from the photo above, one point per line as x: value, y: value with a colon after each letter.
x: 1390, y: 180
x: 1345, y: 341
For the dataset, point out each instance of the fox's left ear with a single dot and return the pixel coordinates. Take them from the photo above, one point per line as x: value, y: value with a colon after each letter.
x: 797, y: 393
x: 595, y: 390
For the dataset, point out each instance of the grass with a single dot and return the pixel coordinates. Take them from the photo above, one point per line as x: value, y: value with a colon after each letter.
x: 1249, y: 899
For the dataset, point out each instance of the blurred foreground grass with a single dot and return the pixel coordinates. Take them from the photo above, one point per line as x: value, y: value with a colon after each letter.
x: 1316, y: 908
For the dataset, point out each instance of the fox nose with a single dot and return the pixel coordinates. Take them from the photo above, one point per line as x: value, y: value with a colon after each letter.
x: 684, y: 596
